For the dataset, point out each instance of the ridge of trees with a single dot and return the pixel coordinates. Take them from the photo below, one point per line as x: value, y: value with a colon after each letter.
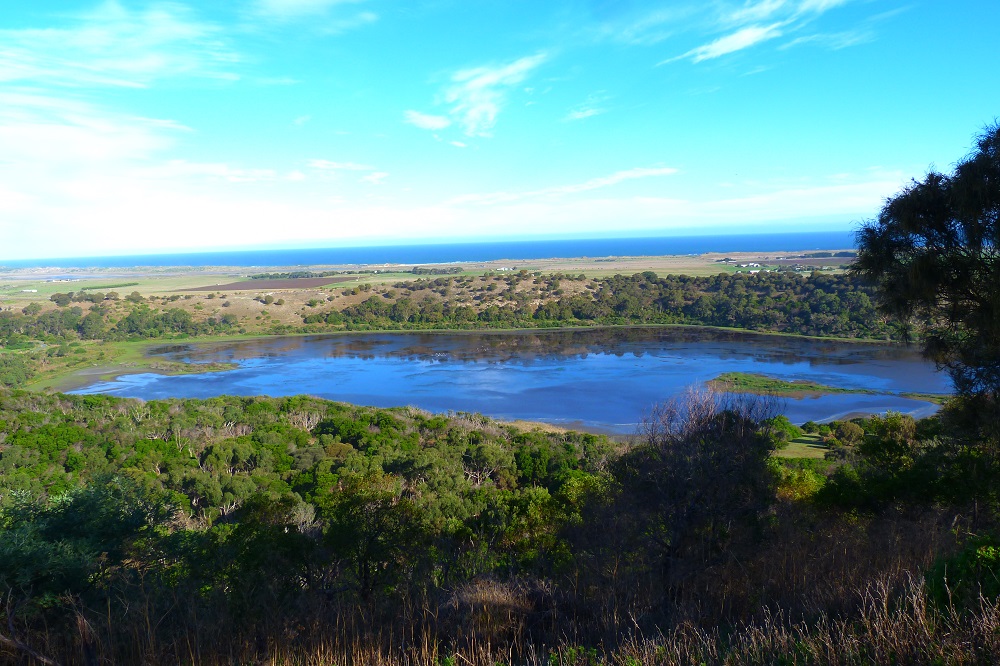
x: 819, y: 304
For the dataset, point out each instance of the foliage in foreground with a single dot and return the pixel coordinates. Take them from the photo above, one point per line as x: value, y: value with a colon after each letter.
x: 933, y: 256
x: 297, y: 530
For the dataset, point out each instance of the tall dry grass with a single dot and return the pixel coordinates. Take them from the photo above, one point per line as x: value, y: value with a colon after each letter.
x: 895, y: 624
x: 819, y: 589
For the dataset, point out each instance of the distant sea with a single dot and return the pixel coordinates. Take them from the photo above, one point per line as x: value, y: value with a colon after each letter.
x: 456, y: 252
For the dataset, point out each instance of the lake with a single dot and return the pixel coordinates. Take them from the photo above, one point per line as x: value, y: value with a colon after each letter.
x: 597, y: 379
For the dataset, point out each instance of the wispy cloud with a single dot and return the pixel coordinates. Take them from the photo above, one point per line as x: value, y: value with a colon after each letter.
x: 581, y: 114
x: 593, y: 106
x: 860, y: 34
x: 327, y: 165
x: 755, y: 22
x: 737, y: 41
x: 227, y: 172
x: 616, y: 178
x: 376, y: 178
x: 43, y: 132
x: 426, y: 121
x: 113, y: 46
x: 289, y: 9
x: 834, y: 40
x: 751, y: 12
x: 477, y: 94
x: 646, y: 29
x: 820, y: 6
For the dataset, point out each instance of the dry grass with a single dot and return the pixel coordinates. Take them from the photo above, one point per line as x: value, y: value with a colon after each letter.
x: 817, y: 590
x: 895, y: 624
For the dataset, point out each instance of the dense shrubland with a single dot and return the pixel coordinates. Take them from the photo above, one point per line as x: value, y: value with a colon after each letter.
x: 297, y: 530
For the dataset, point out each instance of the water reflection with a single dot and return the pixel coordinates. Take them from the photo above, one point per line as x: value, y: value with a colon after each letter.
x: 514, y: 347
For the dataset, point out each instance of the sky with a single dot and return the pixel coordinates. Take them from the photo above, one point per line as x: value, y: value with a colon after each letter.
x: 135, y: 127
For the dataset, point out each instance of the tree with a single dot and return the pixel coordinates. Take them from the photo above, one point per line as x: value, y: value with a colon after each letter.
x: 374, y: 528
x: 700, y: 476
x: 933, y: 255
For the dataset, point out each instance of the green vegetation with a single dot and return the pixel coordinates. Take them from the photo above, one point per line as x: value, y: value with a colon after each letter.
x: 804, y: 446
x: 295, y: 529
x: 436, y: 270
x: 750, y: 382
x: 117, y: 285
x: 758, y: 384
x: 933, y: 256
x: 781, y: 302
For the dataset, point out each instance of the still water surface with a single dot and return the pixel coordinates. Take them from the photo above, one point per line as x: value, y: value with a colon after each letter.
x: 601, y: 379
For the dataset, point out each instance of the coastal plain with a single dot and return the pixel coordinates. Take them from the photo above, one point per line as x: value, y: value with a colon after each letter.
x: 19, y: 286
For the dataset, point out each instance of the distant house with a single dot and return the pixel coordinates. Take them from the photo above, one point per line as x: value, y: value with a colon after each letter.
x: 29, y: 291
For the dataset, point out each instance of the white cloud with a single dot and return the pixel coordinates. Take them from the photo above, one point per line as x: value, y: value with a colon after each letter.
x: 754, y: 22
x: 425, y: 121
x: 494, y: 198
x: 477, y: 94
x: 229, y: 173
x: 580, y: 114
x: 276, y: 81
x: 651, y: 27
x: 39, y: 131
x: 820, y: 6
x: 754, y: 11
x: 116, y: 210
x: 591, y: 107
x: 376, y: 178
x: 780, y: 206
x: 835, y: 40
x: 615, y: 178
x: 459, y: 144
x: 287, y: 9
x: 327, y: 165
x: 737, y: 41
x: 113, y: 46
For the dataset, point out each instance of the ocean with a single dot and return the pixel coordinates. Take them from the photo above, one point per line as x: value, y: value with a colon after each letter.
x: 463, y: 252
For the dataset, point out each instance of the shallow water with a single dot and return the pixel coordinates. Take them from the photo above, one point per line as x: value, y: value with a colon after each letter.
x: 601, y: 379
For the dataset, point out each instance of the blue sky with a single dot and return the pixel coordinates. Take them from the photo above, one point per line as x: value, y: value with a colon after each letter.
x: 158, y: 126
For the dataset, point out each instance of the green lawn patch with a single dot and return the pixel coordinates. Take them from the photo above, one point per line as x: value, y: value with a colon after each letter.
x: 749, y: 382
x: 805, y: 446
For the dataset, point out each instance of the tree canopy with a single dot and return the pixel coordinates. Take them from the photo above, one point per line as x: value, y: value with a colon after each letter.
x: 933, y: 255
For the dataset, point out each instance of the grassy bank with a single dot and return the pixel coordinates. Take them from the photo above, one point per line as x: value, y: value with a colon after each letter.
x: 758, y: 384
x: 104, y: 361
